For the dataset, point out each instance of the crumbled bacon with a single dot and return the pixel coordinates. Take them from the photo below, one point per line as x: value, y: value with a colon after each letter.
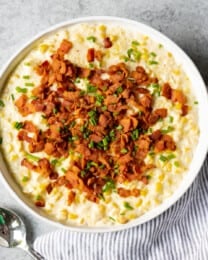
x: 107, y: 42
x: 91, y: 55
x: 108, y: 143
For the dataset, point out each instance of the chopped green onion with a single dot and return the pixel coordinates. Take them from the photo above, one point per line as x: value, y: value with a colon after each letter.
x: 153, y: 62
x: 21, y: 90
x: 63, y: 170
x: 91, y: 38
x: 153, y: 54
x: 128, y: 206
x: 168, y: 130
x: 104, y: 108
x: 196, y: 102
x: 25, y: 76
x: 32, y: 157
x: 25, y: 179
x: 119, y: 90
x: 91, y: 144
x: 2, y: 103
x: 82, y: 173
x: 99, y: 100
x: 176, y: 163
x: 27, y: 63
x: 167, y: 158
x: 91, y: 88
x: 109, y: 186
x: 119, y: 127
x: 54, y: 162
x: 29, y: 84
x: 12, y: 96
x: 111, y: 218
x: 135, y: 43
x: 124, y: 150
x: 160, y: 45
x: 77, y: 80
x: 72, y: 124
x: 171, y: 118
x: 18, y: 125
x: 91, y: 65
x: 55, y: 110
x: 135, y: 134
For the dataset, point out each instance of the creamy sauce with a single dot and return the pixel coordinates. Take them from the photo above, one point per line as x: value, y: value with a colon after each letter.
x: 164, y: 179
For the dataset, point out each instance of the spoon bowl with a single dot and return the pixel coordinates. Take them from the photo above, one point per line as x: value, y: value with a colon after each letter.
x: 13, y: 232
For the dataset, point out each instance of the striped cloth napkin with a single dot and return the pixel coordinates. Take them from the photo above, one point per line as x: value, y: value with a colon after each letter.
x: 180, y: 233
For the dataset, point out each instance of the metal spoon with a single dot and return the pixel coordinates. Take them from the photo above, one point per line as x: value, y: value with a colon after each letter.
x: 13, y: 233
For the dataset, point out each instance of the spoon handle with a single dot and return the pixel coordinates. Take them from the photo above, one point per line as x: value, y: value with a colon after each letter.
x: 34, y: 254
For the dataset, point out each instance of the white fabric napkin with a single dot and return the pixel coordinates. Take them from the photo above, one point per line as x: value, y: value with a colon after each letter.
x: 180, y: 233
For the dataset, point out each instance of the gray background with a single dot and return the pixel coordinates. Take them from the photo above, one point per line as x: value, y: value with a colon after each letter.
x: 185, y: 22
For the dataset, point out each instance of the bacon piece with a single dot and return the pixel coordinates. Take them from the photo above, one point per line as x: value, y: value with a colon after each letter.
x: 21, y: 104
x: 44, y: 167
x: 166, y: 91
x: 71, y: 197
x: 143, y: 144
x: 178, y: 96
x: 35, y: 146
x: 49, y: 188
x: 156, y: 135
x: 146, y: 100
x: 139, y: 75
x: 95, y: 138
x: 49, y: 148
x: 91, y: 55
x: 126, y: 123
x: 98, y: 55
x: 40, y: 203
x: 184, y: 110
x: 65, y: 46
x: 28, y: 164
x: 126, y: 193
x: 107, y: 42
x: 161, y: 112
x: 164, y: 143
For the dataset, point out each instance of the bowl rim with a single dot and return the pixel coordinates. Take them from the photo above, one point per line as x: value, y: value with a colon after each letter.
x: 202, y: 150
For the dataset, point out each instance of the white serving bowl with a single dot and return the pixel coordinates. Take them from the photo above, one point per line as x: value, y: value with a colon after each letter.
x: 199, y: 89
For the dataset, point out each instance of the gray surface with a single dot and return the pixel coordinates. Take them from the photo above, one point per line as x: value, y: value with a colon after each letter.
x: 185, y: 22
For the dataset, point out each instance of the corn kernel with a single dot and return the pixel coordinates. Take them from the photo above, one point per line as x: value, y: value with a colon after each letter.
x: 161, y: 176
x: 64, y: 213
x: 102, y: 209
x: 14, y: 157
x: 170, y: 54
x: 159, y: 187
x: 122, y: 219
x: 72, y: 215
x: 113, y: 38
x: 132, y: 216
x: 115, y: 205
x: 80, y: 39
x: 43, y: 48
x: 178, y: 105
x: 102, y: 28
x: 139, y: 203
x: 144, y: 192
x: 176, y: 72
